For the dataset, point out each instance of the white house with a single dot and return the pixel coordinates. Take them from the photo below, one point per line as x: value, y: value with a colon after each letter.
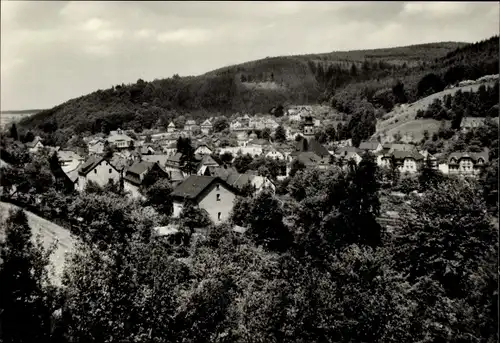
x: 275, y: 155
x: 120, y: 140
x: 35, y: 145
x: 206, y: 192
x: 98, y: 170
x: 171, y: 127
x: 206, y: 127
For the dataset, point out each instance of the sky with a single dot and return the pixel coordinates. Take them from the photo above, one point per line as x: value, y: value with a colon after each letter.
x: 55, y: 51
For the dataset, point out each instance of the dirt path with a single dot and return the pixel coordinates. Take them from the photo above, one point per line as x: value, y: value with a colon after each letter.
x: 49, y: 233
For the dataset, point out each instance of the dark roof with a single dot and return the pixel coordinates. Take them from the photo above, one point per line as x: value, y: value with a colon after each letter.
x: 90, y: 164
x: 370, y: 145
x: 140, y: 167
x: 312, y: 146
x: 474, y: 156
x: 347, y: 149
x: 160, y: 159
x: 221, y: 172
x: 133, y: 173
x: 402, y: 147
x: 308, y: 158
x: 176, y: 158
x: 399, y: 155
x: 193, y: 186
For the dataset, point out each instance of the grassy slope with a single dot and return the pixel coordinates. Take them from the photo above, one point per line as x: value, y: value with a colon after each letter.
x: 50, y: 233
x: 405, y: 117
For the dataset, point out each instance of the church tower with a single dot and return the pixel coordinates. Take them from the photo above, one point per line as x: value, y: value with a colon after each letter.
x: 308, y: 132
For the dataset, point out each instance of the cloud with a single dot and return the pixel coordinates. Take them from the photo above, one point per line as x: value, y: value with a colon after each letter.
x: 60, y: 47
x: 94, y: 24
x: 184, y: 36
x: 435, y: 9
x: 99, y: 50
x: 144, y: 33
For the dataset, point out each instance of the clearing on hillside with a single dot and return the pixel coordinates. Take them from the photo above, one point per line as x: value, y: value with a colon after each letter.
x: 50, y: 233
x: 402, y: 119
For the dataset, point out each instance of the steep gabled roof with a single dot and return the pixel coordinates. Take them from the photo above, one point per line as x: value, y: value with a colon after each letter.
x: 206, y: 123
x: 311, y: 146
x: 90, y: 164
x: 474, y: 156
x: 194, y: 185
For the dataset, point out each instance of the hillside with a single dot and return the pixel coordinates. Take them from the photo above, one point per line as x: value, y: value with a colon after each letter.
x: 50, y: 233
x: 341, y: 78
x: 403, y: 120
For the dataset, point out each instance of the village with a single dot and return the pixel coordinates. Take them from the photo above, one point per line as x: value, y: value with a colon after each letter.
x: 213, y: 181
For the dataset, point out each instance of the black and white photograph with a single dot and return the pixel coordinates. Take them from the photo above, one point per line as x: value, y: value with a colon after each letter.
x: 249, y: 172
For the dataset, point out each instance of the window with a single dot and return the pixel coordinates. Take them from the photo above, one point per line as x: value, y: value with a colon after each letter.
x: 110, y: 170
x: 217, y: 187
x: 218, y: 216
x: 95, y: 171
x: 218, y: 197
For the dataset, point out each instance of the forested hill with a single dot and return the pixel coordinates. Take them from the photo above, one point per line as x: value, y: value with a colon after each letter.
x: 258, y: 86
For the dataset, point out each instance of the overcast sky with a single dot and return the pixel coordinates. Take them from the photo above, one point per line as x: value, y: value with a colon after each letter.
x: 54, y: 51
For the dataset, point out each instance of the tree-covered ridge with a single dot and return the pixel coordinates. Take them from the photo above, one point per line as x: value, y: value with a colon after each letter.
x: 293, y: 79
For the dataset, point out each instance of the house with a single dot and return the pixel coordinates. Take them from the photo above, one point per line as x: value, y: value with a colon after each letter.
x: 275, y: 154
x: 173, y: 162
x: 69, y: 160
x: 372, y: 146
x: 256, y: 123
x: 406, y: 161
x: 160, y: 159
x: 206, y: 161
x: 35, y: 145
x: 270, y: 124
x: 426, y: 154
x: 203, y: 149
x: 190, y: 126
x: 238, y: 181
x: 170, y: 149
x: 348, y: 153
x: 98, y: 170
x: 311, y: 145
x: 207, y: 192
x: 120, y: 140
x: 171, y: 127
x: 96, y: 147
x: 206, y: 127
x: 147, y: 149
x: 236, y: 126
x: 307, y: 158
x: 134, y: 176
x: 467, y: 163
x: 259, y: 183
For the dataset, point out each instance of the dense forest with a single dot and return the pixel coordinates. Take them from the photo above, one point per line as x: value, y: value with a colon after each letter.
x: 363, y: 84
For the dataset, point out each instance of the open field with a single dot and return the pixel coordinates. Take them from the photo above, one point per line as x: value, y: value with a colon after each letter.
x: 49, y: 233
x: 399, y: 120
